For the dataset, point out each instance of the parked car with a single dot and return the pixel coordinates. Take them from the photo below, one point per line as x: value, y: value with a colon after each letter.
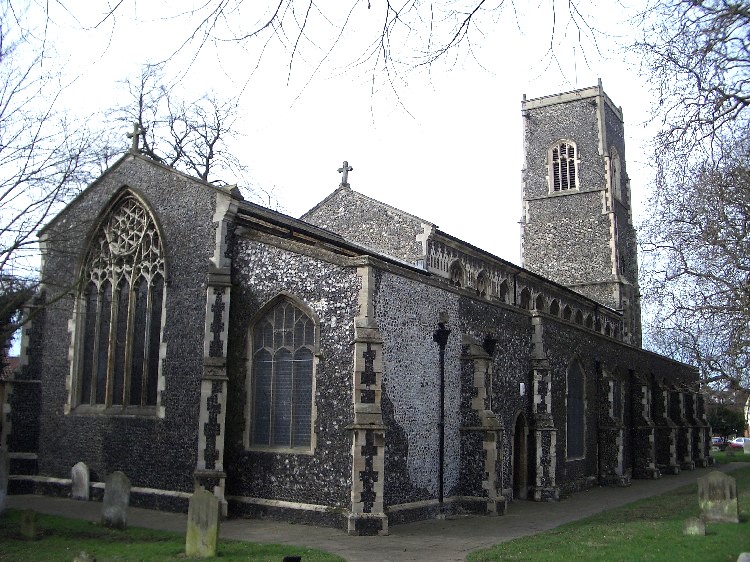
x: 718, y: 443
x: 739, y: 442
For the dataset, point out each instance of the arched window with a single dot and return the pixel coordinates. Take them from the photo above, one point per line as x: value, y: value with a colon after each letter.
x: 554, y: 308
x: 567, y: 312
x: 457, y: 274
x: 122, y: 307
x: 563, y: 166
x: 282, y: 378
x: 576, y: 411
x: 483, y: 284
x: 578, y: 319
x: 525, y: 299
x: 615, y: 173
x: 539, y: 304
x: 502, y: 292
x: 589, y: 322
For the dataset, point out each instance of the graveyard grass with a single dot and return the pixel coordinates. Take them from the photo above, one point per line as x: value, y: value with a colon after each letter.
x: 649, y: 529
x: 62, y: 539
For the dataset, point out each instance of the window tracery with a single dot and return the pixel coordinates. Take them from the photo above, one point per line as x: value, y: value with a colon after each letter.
x: 122, y: 299
x: 282, y: 378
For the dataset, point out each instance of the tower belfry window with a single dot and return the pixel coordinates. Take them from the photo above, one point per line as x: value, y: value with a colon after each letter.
x: 564, y: 166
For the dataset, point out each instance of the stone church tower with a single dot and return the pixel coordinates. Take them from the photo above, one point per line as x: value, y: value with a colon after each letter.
x: 577, y: 226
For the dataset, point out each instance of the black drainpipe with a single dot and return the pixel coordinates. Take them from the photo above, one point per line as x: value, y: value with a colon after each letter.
x: 440, y: 336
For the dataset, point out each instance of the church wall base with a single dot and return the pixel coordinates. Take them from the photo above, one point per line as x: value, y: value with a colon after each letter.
x: 327, y: 517
x: 545, y: 494
x: 669, y: 469
x: 648, y: 473
x: 367, y: 525
x: 615, y: 480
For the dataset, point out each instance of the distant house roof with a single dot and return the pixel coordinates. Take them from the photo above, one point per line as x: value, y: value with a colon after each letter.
x: 10, y: 364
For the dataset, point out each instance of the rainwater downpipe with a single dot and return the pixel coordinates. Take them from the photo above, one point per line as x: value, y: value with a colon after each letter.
x: 440, y: 336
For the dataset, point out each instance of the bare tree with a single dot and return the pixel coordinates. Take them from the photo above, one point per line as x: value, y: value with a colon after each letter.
x: 44, y: 160
x: 391, y: 35
x: 191, y: 136
x: 697, y: 262
x: 697, y: 56
x: 696, y: 270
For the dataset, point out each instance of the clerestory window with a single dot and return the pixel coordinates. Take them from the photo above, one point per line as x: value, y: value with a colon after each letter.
x: 563, y: 166
x: 121, y: 302
x: 282, y: 378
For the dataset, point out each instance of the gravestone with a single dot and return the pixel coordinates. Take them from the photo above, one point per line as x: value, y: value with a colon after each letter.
x: 116, y: 501
x: 744, y: 557
x: 717, y: 497
x: 694, y: 526
x: 203, y: 525
x: 747, y: 447
x: 79, y: 476
x: 4, y: 473
x: 84, y: 556
x: 28, y: 524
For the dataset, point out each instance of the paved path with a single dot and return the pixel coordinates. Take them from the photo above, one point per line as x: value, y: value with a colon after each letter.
x: 439, y: 541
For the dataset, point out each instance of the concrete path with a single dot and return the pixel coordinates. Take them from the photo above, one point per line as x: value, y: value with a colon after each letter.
x: 448, y: 540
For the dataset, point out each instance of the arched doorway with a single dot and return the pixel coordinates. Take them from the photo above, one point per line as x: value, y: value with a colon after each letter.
x: 520, y: 458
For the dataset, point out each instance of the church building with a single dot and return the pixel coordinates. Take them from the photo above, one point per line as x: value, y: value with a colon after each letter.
x: 357, y: 367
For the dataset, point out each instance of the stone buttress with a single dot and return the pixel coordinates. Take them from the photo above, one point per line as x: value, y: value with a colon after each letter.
x: 665, y: 431
x: 489, y: 427
x: 544, y: 487
x: 367, y: 514
x: 209, y: 472
x: 677, y: 412
x: 611, y: 432
x: 644, y: 446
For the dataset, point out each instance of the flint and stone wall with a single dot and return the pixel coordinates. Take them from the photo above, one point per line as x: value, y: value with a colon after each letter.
x: 157, y: 450
x: 309, y: 486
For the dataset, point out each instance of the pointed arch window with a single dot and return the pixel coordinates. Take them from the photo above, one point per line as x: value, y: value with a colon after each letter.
x: 282, y: 378
x: 576, y: 411
x: 615, y: 173
x: 563, y: 159
x: 122, y: 298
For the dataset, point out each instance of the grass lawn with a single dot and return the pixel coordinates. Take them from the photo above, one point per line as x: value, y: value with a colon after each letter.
x: 646, y: 530
x: 723, y: 457
x: 62, y: 539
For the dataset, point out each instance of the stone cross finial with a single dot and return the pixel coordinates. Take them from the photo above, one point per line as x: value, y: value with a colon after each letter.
x: 345, y: 169
x: 135, y: 135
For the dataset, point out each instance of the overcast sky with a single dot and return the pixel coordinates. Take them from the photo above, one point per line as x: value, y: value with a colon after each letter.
x: 443, y: 142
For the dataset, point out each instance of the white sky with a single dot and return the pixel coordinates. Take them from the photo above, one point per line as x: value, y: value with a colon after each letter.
x: 446, y: 146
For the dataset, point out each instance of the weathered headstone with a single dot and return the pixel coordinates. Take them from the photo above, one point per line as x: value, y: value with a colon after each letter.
x: 28, y: 524
x: 4, y: 473
x: 744, y: 557
x: 84, y: 556
x: 694, y: 526
x: 717, y: 497
x: 79, y: 476
x: 116, y: 501
x: 202, y: 535
x: 747, y: 447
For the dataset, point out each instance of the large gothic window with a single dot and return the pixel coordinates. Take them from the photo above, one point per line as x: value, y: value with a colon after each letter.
x: 576, y: 403
x: 121, y: 302
x: 282, y: 378
x: 564, y: 166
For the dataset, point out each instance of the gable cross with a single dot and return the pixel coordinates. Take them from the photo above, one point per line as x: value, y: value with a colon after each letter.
x: 345, y: 169
x: 135, y: 135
